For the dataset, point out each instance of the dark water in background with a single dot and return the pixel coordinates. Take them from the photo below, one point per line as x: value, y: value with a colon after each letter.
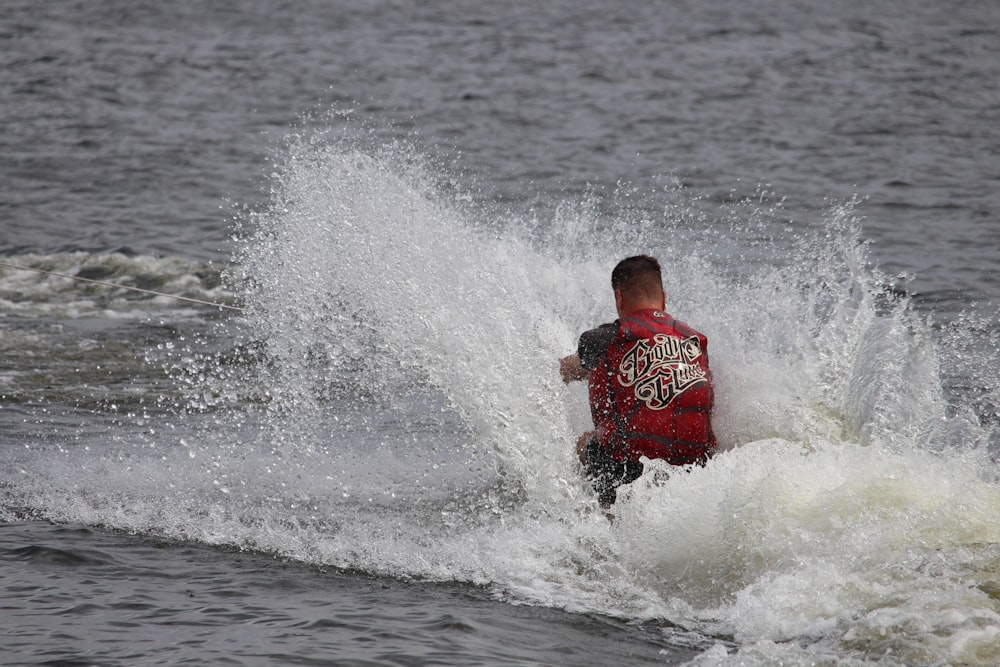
x: 453, y: 181
x: 122, y: 119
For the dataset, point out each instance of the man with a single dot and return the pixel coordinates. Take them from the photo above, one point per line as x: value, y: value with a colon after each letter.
x: 650, y: 385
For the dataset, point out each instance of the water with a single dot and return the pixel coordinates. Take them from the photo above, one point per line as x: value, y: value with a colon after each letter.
x: 416, y: 210
x: 191, y: 605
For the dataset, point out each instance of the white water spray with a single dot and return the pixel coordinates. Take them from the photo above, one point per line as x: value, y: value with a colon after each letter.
x: 409, y: 421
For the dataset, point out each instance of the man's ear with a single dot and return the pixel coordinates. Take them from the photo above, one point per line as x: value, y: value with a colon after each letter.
x: 618, y: 299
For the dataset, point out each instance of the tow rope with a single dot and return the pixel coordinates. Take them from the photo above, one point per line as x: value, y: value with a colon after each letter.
x: 125, y: 287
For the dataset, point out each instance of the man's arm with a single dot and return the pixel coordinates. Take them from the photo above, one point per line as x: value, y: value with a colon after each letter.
x: 571, y: 369
x: 593, y: 344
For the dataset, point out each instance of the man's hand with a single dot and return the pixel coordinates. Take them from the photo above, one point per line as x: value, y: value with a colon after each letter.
x: 571, y: 369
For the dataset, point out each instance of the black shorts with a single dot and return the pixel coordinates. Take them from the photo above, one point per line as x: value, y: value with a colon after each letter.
x: 606, y: 474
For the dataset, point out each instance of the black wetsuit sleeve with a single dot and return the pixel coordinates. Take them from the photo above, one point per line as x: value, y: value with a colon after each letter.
x: 595, y: 343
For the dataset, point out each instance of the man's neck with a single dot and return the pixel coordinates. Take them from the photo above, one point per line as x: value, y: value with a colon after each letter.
x: 628, y: 308
x: 627, y: 304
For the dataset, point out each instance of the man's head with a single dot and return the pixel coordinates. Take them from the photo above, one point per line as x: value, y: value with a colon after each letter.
x: 638, y: 285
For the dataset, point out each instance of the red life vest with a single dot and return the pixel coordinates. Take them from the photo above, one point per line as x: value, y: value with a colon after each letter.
x: 651, y: 393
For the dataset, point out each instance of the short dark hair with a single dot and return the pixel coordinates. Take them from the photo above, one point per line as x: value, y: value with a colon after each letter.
x: 640, y: 273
